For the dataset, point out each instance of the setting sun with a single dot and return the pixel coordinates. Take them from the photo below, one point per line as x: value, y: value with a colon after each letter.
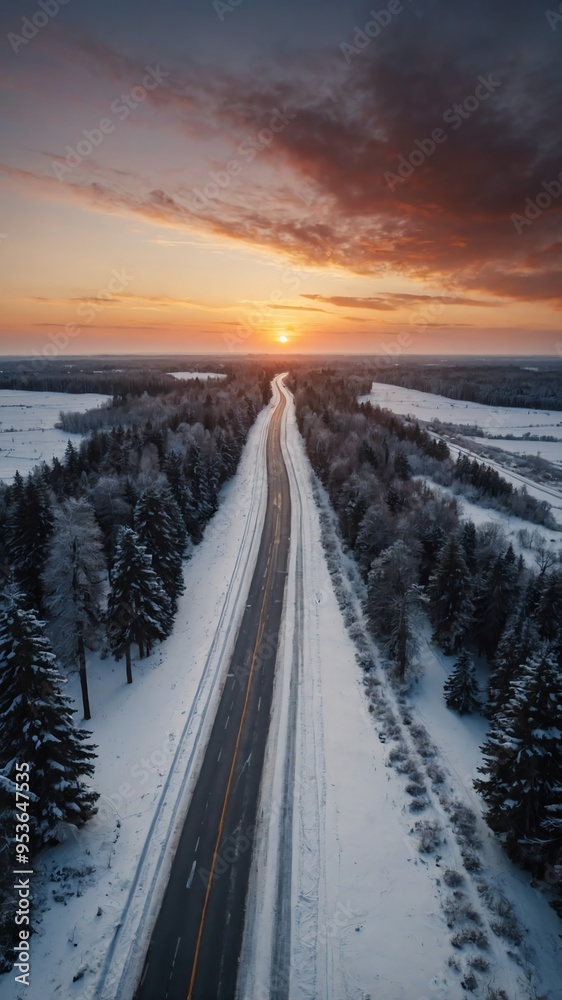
x: 283, y: 339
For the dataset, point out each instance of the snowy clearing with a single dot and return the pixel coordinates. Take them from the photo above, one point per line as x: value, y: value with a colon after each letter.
x: 426, y: 407
x: 501, y: 419
x: 28, y: 434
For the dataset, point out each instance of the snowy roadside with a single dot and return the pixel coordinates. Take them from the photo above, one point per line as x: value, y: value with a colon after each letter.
x: 97, y: 893
x: 374, y: 908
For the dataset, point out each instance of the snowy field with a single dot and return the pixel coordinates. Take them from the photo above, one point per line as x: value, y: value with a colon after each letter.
x: 551, y: 451
x: 27, y: 427
x: 492, y: 419
x: 425, y: 406
x: 203, y: 376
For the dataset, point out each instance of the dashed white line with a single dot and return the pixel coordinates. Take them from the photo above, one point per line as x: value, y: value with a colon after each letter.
x: 259, y: 702
x: 219, y: 756
x: 189, y: 882
x: 227, y: 721
x: 197, y: 844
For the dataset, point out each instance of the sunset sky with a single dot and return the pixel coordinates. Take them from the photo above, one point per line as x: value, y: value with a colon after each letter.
x: 197, y: 176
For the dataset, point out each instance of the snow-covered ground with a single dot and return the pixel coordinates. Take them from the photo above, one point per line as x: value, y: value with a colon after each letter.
x: 342, y: 900
x: 109, y: 877
x: 500, y: 419
x: 203, y: 376
x: 366, y: 907
x: 426, y: 407
x: 28, y: 434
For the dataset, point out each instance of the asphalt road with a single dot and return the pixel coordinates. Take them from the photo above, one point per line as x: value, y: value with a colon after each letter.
x: 195, y: 946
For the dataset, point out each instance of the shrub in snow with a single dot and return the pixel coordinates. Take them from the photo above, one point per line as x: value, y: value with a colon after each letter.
x: 461, y: 688
x: 469, y: 935
x: 415, y: 789
x: 453, y: 878
x: 429, y: 835
x: 471, y: 861
x: 507, y: 929
x: 464, y: 823
x: 479, y: 963
x: 418, y: 805
x: 435, y: 773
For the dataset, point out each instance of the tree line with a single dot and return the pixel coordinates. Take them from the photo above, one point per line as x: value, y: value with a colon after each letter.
x: 493, y: 385
x: 420, y: 561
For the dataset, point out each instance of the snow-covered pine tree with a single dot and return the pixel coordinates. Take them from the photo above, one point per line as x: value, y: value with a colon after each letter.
x: 36, y: 726
x: 548, y: 615
x: 138, y: 609
x: 74, y: 580
x: 30, y: 525
x: 461, y: 687
x: 159, y: 525
x: 450, y: 596
x: 522, y: 760
x: 518, y: 640
x: 497, y: 594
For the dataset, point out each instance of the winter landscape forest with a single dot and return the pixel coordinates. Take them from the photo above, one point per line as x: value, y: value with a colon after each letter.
x: 280, y: 500
x: 126, y: 560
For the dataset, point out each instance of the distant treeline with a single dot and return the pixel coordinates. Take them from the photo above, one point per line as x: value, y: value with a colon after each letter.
x: 45, y: 378
x: 492, y: 385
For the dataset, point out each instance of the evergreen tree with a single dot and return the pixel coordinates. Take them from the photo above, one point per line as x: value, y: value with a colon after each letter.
x: 74, y: 577
x: 497, y: 593
x: 29, y: 529
x: 36, y: 726
x: 548, y: 615
x: 468, y: 541
x: 160, y: 528
x: 450, y: 597
x: 138, y: 609
x: 518, y: 640
x: 522, y: 761
x: 461, y: 688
